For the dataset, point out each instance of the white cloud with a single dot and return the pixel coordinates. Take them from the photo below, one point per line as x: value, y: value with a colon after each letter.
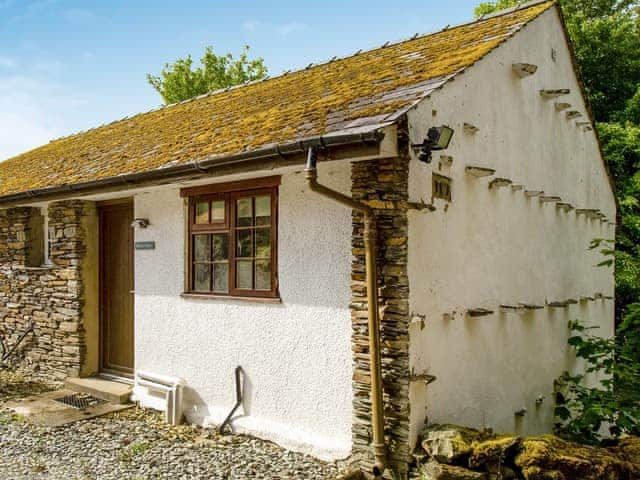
x: 32, y: 9
x: 7, y: 62
x: 250, y: 25
x: 29, y: 113
x: 291, y: 27
x: 283, y: 29
x: 79, y: 15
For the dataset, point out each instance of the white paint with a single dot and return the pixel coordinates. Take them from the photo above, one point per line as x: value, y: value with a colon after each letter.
x: 296, y: 355
x: 497, y: 246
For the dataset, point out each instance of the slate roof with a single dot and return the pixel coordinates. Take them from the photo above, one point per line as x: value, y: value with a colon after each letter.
x: 367, y: 88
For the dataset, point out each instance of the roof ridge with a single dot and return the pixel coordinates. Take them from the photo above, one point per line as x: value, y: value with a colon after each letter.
x: 314, y: 65
x: 506, y: 11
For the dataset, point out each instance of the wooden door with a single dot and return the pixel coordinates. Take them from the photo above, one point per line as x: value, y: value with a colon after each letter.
x: 116, y: 288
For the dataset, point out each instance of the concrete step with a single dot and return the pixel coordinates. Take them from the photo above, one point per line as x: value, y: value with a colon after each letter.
x: 114, y: 392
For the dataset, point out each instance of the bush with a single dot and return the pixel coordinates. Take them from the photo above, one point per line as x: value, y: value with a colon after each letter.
x: 586, y: 413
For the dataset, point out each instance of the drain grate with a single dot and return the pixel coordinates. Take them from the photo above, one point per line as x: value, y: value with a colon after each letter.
x: 80, y: 400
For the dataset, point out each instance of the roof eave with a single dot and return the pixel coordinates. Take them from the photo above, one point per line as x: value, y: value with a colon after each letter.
x: 367, y: 135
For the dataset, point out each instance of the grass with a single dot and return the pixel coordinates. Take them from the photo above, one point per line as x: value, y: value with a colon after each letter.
x: 127, y: 454
x: 7, y: 417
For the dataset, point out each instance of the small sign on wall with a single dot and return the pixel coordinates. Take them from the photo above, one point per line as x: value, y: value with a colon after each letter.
x: 151, y: 245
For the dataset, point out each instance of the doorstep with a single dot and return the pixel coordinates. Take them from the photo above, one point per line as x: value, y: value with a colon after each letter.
x: 109, y: 390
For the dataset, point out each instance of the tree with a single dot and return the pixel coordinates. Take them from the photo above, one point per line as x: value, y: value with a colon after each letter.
x: 582, y: 410
x: 486, y: 8
x: 621, y: 146
x: 179, y: 81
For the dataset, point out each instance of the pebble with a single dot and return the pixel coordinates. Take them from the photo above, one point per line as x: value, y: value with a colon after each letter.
x: 136, y: 444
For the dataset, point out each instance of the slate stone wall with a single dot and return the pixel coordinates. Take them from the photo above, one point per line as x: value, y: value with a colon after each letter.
x: 383, y: 185
x: 51, y: 297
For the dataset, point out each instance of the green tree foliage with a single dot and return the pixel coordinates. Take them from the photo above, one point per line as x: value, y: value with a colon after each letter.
x: 486, y: 8
x: 606, y: 395
x: 621, y: 146
x: 180, y: 81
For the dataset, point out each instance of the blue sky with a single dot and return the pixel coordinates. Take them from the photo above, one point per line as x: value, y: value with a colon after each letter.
x: 67, y: 66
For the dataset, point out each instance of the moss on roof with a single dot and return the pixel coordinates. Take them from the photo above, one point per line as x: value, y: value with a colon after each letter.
x: 368, y: 87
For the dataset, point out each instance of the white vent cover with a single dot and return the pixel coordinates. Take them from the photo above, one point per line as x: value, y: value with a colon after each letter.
x: 160, y: 392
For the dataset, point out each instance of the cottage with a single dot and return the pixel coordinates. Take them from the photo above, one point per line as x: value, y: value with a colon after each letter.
x: 234, y: 229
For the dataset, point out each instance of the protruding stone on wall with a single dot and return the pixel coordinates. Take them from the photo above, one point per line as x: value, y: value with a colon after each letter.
x: 382, y: 184
x: 52, y: 296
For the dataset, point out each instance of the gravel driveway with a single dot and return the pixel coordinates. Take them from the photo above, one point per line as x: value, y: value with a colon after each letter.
x: 136, y: 444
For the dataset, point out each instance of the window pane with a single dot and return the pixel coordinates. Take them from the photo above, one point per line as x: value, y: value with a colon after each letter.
x: 244, y: 214
x: 202, y: 248
x: 263, y: 210
x: 263, y: 242
x: 244, y: 239
x: 220, y: 246
x: 217, y: 211
x: 244, y: 274
x: 263, y: 274
x: 221, y: 277
x: 202, y: 212
x: 202, y: 277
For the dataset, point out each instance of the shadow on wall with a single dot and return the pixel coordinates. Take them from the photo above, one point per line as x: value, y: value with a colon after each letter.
x: 196, y: 409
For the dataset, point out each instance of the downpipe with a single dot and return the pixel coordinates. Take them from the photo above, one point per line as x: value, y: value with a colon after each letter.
x: 377, y: 414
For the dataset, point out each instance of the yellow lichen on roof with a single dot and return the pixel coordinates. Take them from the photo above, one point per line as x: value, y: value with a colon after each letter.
x: 364, y: 88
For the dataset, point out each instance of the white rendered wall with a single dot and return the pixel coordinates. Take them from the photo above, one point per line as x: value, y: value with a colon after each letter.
x: 492, y: 247
x: 296, y: 355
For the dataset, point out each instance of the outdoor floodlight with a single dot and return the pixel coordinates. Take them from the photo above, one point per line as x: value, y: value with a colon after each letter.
x: 140, y: 223
x: 437, y: 138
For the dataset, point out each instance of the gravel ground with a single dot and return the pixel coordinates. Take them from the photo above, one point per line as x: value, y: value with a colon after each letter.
x: 136, y: 444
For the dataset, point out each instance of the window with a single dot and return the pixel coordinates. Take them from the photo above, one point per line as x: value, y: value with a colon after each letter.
x: 441, y: 187
x: 35, y: 242
x: 232, y: 235
x: 49, y: 235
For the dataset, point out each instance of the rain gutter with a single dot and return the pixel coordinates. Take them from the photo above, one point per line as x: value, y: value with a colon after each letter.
x: 195, y: 168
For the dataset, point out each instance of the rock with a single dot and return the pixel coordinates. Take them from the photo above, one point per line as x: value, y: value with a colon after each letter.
x: 447, y: 443
x: 629, y: 450
x: 439, y: 471
x: 501, y: 473
x: 494, y: 451
x: 549, y: 457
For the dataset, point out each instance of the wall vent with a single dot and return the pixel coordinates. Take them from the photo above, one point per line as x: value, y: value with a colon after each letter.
x: 441, y: 187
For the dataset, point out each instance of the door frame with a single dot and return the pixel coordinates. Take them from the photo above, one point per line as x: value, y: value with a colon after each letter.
x: 102, y: 206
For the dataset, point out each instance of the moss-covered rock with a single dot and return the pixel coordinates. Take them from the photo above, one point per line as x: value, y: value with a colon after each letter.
x: 451, y: 443
x: 629, y: 450
x: 439, y: 471
x: 548, y: 457
x: 494, y: 451
x: 545, y: 457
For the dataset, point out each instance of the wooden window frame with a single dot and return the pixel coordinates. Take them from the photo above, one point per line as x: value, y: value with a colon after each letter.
x: 231, y: 192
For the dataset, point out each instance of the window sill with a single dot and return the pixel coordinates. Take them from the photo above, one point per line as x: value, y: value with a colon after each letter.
x: 40, y: 268
x: 229, y: 298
